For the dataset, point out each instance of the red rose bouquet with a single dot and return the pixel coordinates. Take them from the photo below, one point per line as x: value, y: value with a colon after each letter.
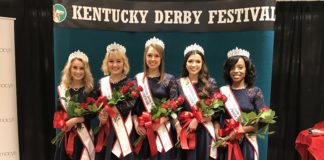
x: 74, y: 109
x: 162, y: 108
x: 210, y: 106
x: 265, y: 117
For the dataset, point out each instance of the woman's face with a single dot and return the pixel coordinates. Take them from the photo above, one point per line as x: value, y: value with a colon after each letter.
x: 238, y: 71
x: 77, y: 70
x: 115, y: 64
x: 153, y: 59
x: 194, y: 64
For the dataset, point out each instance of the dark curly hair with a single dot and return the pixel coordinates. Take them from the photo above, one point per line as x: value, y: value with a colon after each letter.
x: 250, y: 70
x: 203, y: 76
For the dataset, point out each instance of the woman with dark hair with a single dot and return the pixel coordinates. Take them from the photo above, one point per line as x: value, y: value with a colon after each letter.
x: 239, y: 73
x: 156, y: 84
x: 195, y: 84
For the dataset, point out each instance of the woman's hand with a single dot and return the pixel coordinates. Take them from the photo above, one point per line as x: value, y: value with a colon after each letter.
x: 178, y: 129
x: 193, y: 125
x: 139, y: 129
x: 103, y: 117
x: 162, y: 121
x: 207, y: 119
x: 71, y: 122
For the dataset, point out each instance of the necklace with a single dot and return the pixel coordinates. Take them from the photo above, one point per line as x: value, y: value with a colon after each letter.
x: 76, y: 89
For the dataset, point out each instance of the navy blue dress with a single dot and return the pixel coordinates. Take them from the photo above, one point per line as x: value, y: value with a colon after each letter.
x: 249, y: 99
x: 124, y: 108
x: 203, y: 138
x: 60, y: 153
x: 165, y: 89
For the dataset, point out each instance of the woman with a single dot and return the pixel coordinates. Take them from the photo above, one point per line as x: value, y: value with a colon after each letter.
x: 156, y: 84
x: 117, y: 144
x: 76, y: 80
x: 239, y: 73
x: 195, y: 84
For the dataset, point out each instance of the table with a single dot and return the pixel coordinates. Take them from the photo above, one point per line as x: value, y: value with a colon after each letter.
x: 310, y: 146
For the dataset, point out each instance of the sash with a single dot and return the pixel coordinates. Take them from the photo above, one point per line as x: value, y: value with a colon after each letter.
x: 122, y: 129
x: 163, y: 140
x: 192, y: 98
x: 233, y: 109
x: 85, y: 136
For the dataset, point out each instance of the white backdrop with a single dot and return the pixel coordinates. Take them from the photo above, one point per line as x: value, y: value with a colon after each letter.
x: 9, y: 147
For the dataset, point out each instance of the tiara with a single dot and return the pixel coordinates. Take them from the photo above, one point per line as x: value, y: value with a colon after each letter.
x: 154, y: 41
x: 238, y: 52
x: 116, y: 46
x: 78, y: 54
x: 194, y: 47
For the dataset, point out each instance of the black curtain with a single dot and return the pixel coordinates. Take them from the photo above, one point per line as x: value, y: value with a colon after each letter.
x: 34, y: 74
x: 298, y: 74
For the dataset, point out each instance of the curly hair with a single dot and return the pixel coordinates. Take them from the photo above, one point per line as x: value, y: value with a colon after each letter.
x: 104, y: 67
x: 160, y: 50
x: 66, y: 78
x: 203, y: 75
x: 250, y: 70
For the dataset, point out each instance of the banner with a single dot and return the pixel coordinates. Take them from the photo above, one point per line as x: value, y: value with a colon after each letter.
x: 165, y: 16
x: 250, y: 28
x: 9, y: 148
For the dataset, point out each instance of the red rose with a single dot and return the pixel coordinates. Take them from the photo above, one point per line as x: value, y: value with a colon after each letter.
x: 91, y: 100
x: 207, y: 101
x: 124, y: 89
x: 264, y: 108
x: 165, y: 106
x: 224, y: 98
x: 131, y: 83
x: 173, y: 104
x: 134, y: 94
x: 217, y: 95
x: 139, y: 88
x: 109, y: 110
x: 84, y: 105
x: 180, y: 100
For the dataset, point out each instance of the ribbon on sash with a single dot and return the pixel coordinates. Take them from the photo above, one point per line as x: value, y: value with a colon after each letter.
x: 84, y: 135
x: 146, y: 121
x: 192, y: 98
x: 233, y: 109
x: 163, y: 140
x: 187, y: 140
x: 122, y: 129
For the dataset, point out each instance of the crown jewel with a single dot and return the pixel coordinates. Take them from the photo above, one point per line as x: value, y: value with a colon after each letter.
x: 78, y: 54
x: 154, y: 40
x: 238, y: 52
x: 194, y: 47
x: 116, y: 46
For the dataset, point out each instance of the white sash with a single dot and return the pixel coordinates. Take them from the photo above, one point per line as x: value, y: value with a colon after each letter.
x: 85, y: 137
x: 233, y: 109
x: 192, y: 98
x: 163, y: 140
x: 122, y: 129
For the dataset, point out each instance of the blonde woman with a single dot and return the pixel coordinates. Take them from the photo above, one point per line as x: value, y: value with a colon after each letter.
x: 76, y: 80
x: 115, y: 144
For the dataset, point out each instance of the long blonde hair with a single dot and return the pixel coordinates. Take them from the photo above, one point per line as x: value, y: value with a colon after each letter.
x: 66, y: 78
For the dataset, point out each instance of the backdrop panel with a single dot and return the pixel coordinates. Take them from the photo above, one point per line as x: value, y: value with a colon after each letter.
x: 9, y: 148
x: 92, y: 38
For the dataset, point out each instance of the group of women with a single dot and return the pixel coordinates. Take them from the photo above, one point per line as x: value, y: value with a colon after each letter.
x: 194, y: 84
